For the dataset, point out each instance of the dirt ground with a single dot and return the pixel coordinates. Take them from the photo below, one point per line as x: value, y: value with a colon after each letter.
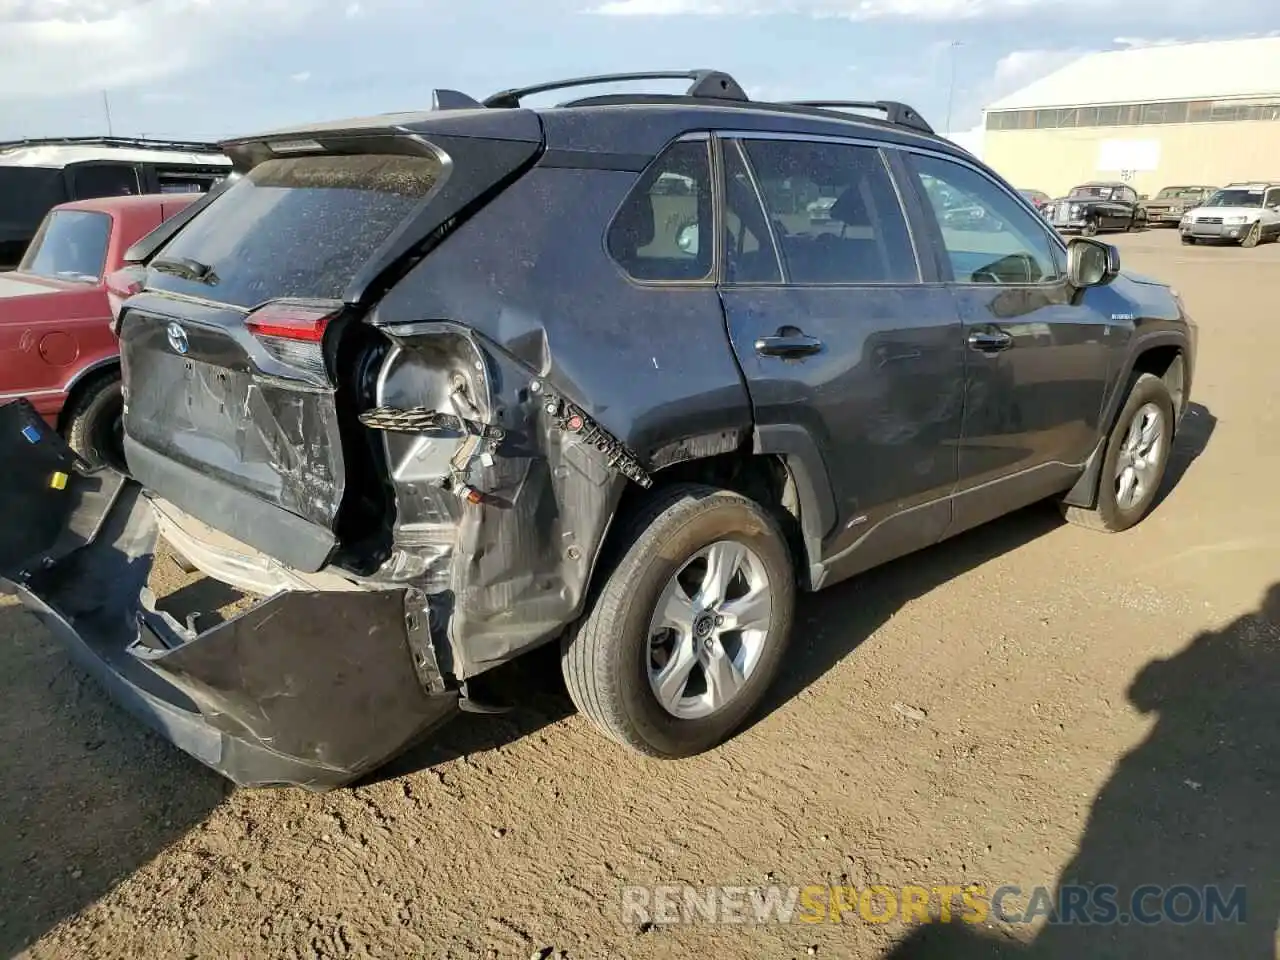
x: 1028, y: 704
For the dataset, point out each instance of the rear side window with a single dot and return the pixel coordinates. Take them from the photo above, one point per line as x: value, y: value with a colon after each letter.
x: 71, y: 245
x: 835, y: 212
x: 92, y: 180
x: 298, y: 227
x: 26, y: 195
x: 663, y: 230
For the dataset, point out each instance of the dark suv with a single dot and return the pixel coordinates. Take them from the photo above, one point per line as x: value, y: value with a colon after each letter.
x: 625, y: 374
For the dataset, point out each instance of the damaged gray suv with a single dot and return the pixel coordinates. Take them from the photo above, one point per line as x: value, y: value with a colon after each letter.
x: 432, y: 390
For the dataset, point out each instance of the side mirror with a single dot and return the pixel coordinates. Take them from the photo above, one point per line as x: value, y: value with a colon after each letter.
x: 687, y: 239
x: 1091, y: 263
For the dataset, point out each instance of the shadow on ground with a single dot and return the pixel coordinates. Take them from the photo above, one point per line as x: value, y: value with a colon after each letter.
x: 532, y: 684
x: 866, y: 602
x: 89, y: 795
x: 1196, y: 805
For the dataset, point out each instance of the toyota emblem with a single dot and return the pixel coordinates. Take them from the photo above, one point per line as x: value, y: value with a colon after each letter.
x: 177, y: 338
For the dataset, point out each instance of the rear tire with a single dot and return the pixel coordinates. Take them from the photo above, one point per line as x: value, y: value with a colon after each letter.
x: 1134, y: 464
x: 627, y: 648
x: 94, y: 422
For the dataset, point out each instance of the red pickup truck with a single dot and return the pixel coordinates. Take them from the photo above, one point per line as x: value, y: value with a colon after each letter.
x: 56, y: 344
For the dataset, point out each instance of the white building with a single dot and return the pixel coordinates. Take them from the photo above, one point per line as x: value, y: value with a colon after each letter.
x: 1181, y: 114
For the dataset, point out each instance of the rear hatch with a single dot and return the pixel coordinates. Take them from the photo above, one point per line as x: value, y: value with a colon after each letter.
x: 246, y: 359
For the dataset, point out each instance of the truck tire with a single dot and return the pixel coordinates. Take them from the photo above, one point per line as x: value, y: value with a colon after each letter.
x: 1134, y: 463
x: 661, y: 663
x: 1253, y: 236
x: 94, y: 421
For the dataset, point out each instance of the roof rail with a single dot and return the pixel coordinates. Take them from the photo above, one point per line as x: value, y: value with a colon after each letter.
x: 895, y: 112
x: 130, y: 142
x: 711, y: 84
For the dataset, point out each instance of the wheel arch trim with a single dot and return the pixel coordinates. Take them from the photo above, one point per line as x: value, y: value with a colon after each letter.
x: 1085, y: 492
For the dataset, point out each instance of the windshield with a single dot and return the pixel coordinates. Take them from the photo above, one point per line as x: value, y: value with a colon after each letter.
x: 1092, y: 193
x: 1237, y: 197
x: 70, y: 245
x: 1180, y: 193
x: 299, y: 227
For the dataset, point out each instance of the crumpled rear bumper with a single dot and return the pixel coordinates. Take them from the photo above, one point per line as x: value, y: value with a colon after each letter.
x: 313, y: 689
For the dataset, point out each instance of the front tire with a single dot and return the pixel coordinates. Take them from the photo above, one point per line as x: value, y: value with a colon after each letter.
x: 1253, y: 236
x: 690, y: 627
x: 95, y: 422
x: 1090, y: 229
x: 1189, y: 241
x: 1134, y: 464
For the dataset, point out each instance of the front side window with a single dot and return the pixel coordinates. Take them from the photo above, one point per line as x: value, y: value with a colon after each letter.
x: 835, y: 212
x: 662, y: 232
x: 988, y: 236
x: 71, y: 245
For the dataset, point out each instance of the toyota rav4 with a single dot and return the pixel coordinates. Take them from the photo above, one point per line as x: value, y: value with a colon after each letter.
x: 435, y: 389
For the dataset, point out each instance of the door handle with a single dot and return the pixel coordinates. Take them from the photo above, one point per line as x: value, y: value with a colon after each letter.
x: 990, y: 341
x: 789, y: 346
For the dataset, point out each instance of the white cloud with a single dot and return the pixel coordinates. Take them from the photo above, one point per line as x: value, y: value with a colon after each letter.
x: 53, y: 48
x: 301, y: 76
x: 1134, y: 43
x: 921, y: 10
x: 1016, y: 70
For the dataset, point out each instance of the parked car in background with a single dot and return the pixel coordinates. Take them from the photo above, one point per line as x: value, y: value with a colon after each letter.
x: 1039, y: 199
x: 1168, y: 206
x: 36, y: 175
x: 1094, y: 207
x: 1243, y: 213
x: 432, y: 390
x: 56, y: 345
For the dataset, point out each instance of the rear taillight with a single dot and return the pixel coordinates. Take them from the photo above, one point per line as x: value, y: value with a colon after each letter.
x: 121, y: 285
x: 293, y: 332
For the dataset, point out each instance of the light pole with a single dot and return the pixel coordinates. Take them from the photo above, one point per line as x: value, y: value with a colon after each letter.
x: 951, y: 90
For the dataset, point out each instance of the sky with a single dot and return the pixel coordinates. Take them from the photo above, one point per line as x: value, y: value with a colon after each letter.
x: 208, y: 69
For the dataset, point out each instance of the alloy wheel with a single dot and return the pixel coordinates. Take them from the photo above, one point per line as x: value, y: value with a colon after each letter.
x: 1141, y: 456
x: 709, y: 630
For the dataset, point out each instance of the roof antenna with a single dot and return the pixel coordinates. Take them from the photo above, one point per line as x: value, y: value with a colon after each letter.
x: 106, y: 106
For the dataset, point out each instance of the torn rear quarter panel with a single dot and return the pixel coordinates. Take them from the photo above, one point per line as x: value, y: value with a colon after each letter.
x: 525, y: 291
x: 499, y: 530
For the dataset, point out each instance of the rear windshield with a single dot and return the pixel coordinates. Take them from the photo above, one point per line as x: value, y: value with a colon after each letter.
x: 298, y: 227
x: 70, y: 245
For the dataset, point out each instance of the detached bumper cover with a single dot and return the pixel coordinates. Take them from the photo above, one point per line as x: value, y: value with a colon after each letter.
x: 309, y: 689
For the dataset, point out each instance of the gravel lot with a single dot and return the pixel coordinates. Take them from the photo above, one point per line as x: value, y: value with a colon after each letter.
x: 1028, y: 704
